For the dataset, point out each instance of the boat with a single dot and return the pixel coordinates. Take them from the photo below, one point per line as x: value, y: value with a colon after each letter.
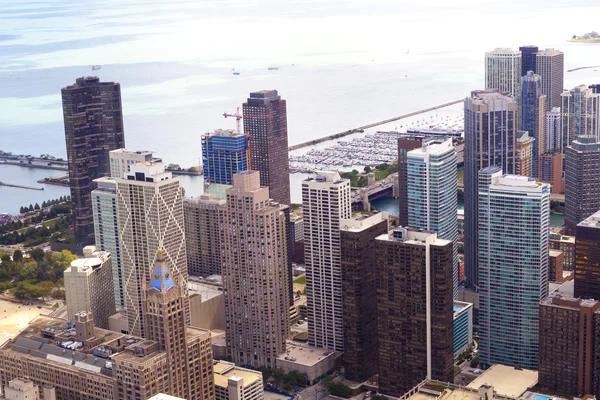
x: 235, y: 72
x: 273, y: 67
x: 96, y: 67
x: 592, y: 37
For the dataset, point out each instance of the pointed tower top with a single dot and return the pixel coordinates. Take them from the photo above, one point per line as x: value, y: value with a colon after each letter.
x: 162, y: 278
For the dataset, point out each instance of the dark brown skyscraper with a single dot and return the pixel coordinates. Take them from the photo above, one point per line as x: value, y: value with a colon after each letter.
x: 265, y: 118
x: 569, y: 332
x: 405, y: 144
x: 93, y: 126
x: 587, y: 258
x: 414, y: 309
x: 357, y: 241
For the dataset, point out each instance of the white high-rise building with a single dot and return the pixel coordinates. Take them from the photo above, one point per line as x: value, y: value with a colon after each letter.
x: 503, y: 71
x: 325, y: 201
x: 554, y: 140
x: 432, y: 193
x: 122, y: 159
x: 514, y: 218
x: 580, y: 114
x: 150, y: 217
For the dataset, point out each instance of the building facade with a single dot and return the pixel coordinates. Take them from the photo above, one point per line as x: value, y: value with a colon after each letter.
x: 255, y: 273
x: 524, y: 154
x: 122, y: 159
x: 21, y: 389
x: 325, y: 202
x: 224, y: 152
x: 554, y: 140
x: 565, y: 244
x: 533, y: 116
x: 550, y: 65
x: 556, y: 262
x: 569, y: 340
x: 357, y: 241
x: 93, y: 121
x: 587, y: 258
x: 462, y: 327
x: 235, y: 383
x: 528, y: 59
x: 89, y: 286
x: 503, y: 71
x: 580, y: 114
x: 432, y: 193
x: 265, y: 120
x: 514, y: 214
x: 414, y: 309
x: 582, y: 180
x: 150, y: 217
x: 405, y: 144
x: 490, y: 139
x: 202, y: 234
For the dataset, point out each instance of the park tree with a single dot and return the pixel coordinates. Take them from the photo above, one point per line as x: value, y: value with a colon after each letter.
x: 22, y: 210
x: 44, y: 204
x: 30, y: 207
x: 367, y: 169
x: 17, y: 255
x: 28, y: 271
x: 37, y: 254
x: 36, y: 207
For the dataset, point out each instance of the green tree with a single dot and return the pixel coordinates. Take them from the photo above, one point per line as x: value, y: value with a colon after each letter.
x: 44, y: 204
x: 367, y: 169
x: 22, y: 210
x: 46, y: 288
x: 31, y: 207
x: 475, y: 362
x: 18, y: 256
x: 5, y: 259
x: 175, y: 167
x: 37, y: 254
x: 36, y: 207
x: 379, y: 397
x: 339, y: 389
x: 28, y: 271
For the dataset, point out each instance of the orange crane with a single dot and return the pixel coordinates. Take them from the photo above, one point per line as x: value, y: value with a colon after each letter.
x: 238, y: 120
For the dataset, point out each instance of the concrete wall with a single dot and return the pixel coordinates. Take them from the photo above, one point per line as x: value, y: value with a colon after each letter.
x: 208, y: 314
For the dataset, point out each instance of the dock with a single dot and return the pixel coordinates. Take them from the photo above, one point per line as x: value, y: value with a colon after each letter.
x: 20, y: 186
x: 577, y: 69
x: 362, y: 128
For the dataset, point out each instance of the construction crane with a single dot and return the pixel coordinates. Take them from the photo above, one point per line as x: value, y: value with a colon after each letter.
x: 238, y: 119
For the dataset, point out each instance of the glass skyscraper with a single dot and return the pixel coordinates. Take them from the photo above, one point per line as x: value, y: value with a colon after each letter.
x: 533, y: 107
x: 224, y: 153
x: 514, y: 214
x: 432, y: 195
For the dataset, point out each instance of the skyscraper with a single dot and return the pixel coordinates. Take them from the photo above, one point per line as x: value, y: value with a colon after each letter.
x: 93, y: 126
x: 582, y: 180
x: 587, y: 258
x: 202, y: 234
x: 553, y: 141
x: 569, y: 359
x: 503, y: 71
x: 357, y: 241
x: 405, y: 144
x: 524, y: 154
x: 414, y: 309
x: 150, y: 217
x: 265, y: 119
x: 122, y: 159
x: 580, y: 114
x: 528, y: 59
x: 533, y: 116
x: 550, y: 65
x: 255, y: 273
x: 514, y: 214
x: 224, y: 153
x: 89, y: 286
x: 325, y: 201
x: 432, y: 193
x: 490, y: 139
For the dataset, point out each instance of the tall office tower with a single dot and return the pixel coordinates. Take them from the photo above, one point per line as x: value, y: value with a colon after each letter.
x: 524, y: 154
x: 550, y: 65
x: 122, y: 159
x: 587, y: 258
x: 533, y: 115
x: 405, y: 144
x: 325, y: 201
x: 514, y: 214
x: 265, y: 119
x: 150, y: 217
x: 556, y: 262
x: 503, y: 72
x: 595, y: 88
x: 551, y: 171
x: 93, y: 126
x: 490, y: 139
x: 255, y: 273
x: 106, y: 231
x: 166, y: 324
x: 414, y: 309
x: 565, y: 244
x: 580, y: 113
x: 357, y: 242
x: 569, y: 351
x: 202, y: 234
x: 553, y: 140
x: 582, y: 180
x: 224, y: 152
x: 432, y: 193
x: 528, y: 59
x: 89, y: 286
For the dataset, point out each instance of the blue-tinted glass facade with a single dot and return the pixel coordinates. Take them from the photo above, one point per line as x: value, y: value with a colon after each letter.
x: 462, y: 327
x: 532, y: 110
x: 223, y: 154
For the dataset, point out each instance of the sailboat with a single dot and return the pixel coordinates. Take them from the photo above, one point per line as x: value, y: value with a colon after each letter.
x: 235, y: 72
x: 273, y: 67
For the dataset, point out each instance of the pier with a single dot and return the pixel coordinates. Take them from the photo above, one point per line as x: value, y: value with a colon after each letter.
x: 20, y: 186
x: 577, y: 69
x: 362, y: 128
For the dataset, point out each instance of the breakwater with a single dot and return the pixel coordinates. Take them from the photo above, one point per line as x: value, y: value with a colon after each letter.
x: 20, y: 186
x: 374, y: 124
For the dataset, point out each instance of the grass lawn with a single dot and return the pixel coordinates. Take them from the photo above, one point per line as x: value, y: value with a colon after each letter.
x: 460, y: 174
x: 49, y: 223
x: 301, y: 279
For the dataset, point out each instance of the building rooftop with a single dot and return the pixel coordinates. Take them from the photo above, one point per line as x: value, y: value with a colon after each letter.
x: 433, y: 146
x: 86, y: 264
x: 223, y: 371
x: 162, y: 396
x: 224, y: 133
x: 562, y: 238
x: 507, y: 381
x: 566, y: 289
x: 459, y: 307
x: 554, y: 253
x: 410, y: 236
x: 593, y: 221
x: 359, y: 222
x: 305, y: 355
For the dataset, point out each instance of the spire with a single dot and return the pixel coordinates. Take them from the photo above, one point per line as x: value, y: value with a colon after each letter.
x: 162, y: 278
